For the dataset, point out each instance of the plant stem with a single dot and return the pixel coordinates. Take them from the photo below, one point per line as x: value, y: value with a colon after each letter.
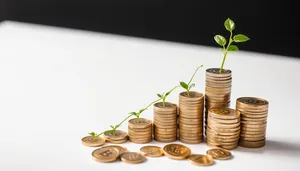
x: 164, y: 102
x: 226, y: 51
x: 188, y: 92
x: 123, y: 121
x: 194, y: 74
x: 138, y: 116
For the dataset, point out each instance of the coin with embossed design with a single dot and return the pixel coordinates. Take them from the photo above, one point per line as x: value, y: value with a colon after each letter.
x: 106, y: 154
x: 152, y: 151
x: 92, y: 142
x: 201, y: 160
x: 177, y: 151
x: 219, y: 154
x: 132, y: 157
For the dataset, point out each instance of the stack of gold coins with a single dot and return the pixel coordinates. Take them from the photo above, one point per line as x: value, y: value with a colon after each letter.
x: 165, y: 122
x: 116, y: 137
x: 140, y: 130
x: 191, y: 117
x: 223, y: 128
x: 218, y: 89
x: 254, y: 113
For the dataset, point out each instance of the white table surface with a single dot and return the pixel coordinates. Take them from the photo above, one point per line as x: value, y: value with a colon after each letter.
x: 59, y: 84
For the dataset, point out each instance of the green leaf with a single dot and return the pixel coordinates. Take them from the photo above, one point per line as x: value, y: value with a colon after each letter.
x: 142, y: 110
x: 232, y: 48
x: 240, y: 38
x: 168, y: 93
x: 229, y: 24
x: 184, y: 85
x: 112, y: 127
x: 191, y: 86
x: 132, y: 113
x: 220, y: 40
x: 159, y: 95
x: 92, y: 134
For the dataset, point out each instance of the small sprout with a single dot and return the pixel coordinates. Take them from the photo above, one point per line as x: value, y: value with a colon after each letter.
x: 163, y: 96
x: 138, y: 114
x: 94, y: 135
x: 188, y: 86
x: 230, y: 26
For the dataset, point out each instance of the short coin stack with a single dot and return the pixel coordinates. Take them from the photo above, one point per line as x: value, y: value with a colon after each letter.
x: 116, y: 137
x: 254, y: 113
x: 218, y: 89
x: 223, y: 128
x: 191, y: 117
x: 165, y: 122
x: 140, y: 130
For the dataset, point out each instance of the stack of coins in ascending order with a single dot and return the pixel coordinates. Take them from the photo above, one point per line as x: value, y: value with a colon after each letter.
x: 223, y: 128
x: 218, y: 89
x: 165, y: 122
x: 116, y: 137
x: 254, y: 113
x: 191, y: 117
x: 140, y: 130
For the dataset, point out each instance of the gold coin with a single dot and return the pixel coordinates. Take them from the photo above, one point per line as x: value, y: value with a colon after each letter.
x: 91, y: 142
x: 201, y: 160
x: 227, y: 147
x: 198, y: 141
x: 115, y: 135
x: 223, y: 113
x: 105, y: 154
x: 152, y: 151
x: 139, y: 123
x: 140, y: 141
x: 177, y: 151
x: 121, y: 149
x: 167, y: 107
x: 252, y: 144
x: 117, y: 141
x: 252, y: 101
x: 219, y: 154
x: 132, y: 157
x: 161, y: 139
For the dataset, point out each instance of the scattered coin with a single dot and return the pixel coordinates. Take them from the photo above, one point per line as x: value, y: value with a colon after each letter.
x: 152, y: 151
x: 90, y: 141
x: 219, y: 154
x: 176, y: 151
x: 201, y: 160
x: 105, y: 154
x: 121, y: 149
x: 132, y: 157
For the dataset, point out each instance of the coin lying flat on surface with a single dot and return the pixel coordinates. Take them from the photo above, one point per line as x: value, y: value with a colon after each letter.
x: 152, y: 151
x: 90, y: 141
x: 121, y: 149
x: 132, y: 157
x: 219, y: 154
x: 177, y: 151
x: 201, y: 160
x: 105, y: 154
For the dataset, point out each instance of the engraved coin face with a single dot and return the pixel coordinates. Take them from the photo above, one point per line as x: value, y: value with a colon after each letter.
x: 177, y: 151
x: 105, y: 154
x: 92, y: 142
x: 219, y: 154
x: 201, y: 160
x: 119, y: 148
x: 152, y: 151
x: 132, y: 157
x: 221, y: 111
x: 115, y: 135
x: 140, y: 121
x: 252, y: 100
x: 217, y: 71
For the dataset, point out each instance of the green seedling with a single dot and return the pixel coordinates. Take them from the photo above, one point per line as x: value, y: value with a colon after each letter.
x: 163, y: 96
x: 188, y: 86
x: 221, y: 40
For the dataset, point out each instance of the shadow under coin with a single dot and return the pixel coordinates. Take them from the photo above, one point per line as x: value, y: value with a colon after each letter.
x: 277, y: 148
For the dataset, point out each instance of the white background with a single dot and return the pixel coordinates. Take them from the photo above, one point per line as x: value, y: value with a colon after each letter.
x: 56, y: 85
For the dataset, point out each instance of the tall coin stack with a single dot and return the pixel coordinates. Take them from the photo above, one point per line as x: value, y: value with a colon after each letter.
x: 191, y: 117
x: 140, y: 130
x: 254, y: 113
x: 223, y: 128
x: 217, y: 90
x: 165, y: 122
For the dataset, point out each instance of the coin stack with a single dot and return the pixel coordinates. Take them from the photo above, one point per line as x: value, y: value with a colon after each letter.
x: 116, y: 137
x: 191, y: 117
x: 140, y: 130
x: 165, y: 122
x: 254, y: 113
x: 223, y: 128
x: 218, y: 89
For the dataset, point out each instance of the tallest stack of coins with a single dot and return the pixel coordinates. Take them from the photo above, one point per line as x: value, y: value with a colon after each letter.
x: 254, y: 113
x: 218, y: 89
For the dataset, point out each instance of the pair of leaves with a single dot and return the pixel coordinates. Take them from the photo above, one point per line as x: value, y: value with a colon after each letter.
x: 163, y: 95
x: 186, y: 86
x: 237, y: 38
